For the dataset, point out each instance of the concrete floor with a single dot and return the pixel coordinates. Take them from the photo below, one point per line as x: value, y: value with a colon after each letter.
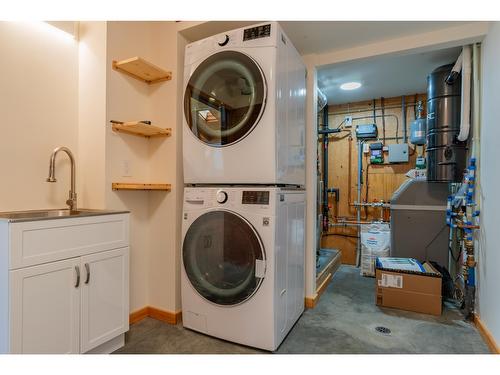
x: 343, y: 322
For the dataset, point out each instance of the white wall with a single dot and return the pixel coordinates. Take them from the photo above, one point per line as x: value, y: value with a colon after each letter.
x: 38, y: 112
x: 489, y: 250
x: 311, y: 181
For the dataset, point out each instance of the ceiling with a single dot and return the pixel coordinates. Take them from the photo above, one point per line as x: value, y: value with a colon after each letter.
x: 386, y: 76
x: 322, y: 36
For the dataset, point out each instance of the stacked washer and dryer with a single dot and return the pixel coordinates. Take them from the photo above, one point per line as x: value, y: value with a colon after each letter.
x: 244, y: 202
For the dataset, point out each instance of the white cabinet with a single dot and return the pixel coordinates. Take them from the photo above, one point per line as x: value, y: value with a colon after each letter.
x: 104, y: 297
x: 45, y: 308
x: 67, y: 287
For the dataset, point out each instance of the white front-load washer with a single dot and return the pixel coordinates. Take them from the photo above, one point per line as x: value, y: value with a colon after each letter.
x: 244, y: 109
x: 242, y: 274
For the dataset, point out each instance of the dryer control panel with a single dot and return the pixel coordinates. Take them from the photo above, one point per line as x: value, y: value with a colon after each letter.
x: 261, y: 31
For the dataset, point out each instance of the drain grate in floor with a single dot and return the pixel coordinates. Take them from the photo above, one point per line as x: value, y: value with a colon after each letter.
x: 383, y: 330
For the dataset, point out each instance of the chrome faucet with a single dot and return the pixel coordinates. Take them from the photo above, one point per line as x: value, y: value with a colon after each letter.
x: 71, y: 202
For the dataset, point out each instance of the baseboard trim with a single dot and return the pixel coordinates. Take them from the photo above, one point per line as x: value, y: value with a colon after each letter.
x: 311, y: 302
x: 155, y: 313
x: 165, y: 316
x: 138, y: 315
x: 486, y: 335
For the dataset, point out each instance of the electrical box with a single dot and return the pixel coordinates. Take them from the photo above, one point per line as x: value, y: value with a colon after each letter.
x: 368, y: 131
x: 348, y: 122
x: 376, y: 153
x: 420, y: 162
x: 398, y: 153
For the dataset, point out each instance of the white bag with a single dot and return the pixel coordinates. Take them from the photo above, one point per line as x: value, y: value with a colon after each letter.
x: 375, y: 242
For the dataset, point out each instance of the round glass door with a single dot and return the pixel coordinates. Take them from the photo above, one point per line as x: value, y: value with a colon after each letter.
x: 224, y: 98
x: 221, y: 251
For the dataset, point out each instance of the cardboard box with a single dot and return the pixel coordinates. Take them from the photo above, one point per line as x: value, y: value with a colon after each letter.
x: 409, y: 290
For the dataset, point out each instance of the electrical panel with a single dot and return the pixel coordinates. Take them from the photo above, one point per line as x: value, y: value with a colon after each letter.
x: 398, y: 153
x: 376, y: 153
x: 368, y: 131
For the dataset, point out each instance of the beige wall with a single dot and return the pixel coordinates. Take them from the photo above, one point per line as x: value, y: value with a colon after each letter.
x: 92, y: 115
x: 155, y: 216
x: 38, y: 112
x: 128, y: 99
x: 166, y: 163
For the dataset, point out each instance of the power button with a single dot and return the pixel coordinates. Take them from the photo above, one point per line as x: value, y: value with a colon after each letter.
x: 221, y: 197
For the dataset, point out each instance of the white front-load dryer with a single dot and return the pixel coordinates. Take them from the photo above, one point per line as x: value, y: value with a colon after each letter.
x: 242, y: 276
x: 244, y: 109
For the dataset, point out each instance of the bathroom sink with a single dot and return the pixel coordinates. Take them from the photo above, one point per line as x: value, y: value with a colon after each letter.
x: 53, y: 214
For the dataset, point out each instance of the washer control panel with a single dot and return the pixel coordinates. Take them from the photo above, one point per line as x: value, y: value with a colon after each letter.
x: 255, y: 197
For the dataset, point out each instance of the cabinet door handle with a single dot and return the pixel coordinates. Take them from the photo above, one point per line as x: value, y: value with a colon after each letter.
x: 77, y: 269
x: 87, y: 269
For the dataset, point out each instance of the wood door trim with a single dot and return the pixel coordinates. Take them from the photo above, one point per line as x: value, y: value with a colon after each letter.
x: 311, y: 302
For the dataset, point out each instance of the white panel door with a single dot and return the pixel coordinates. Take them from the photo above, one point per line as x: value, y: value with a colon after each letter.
x: 105, y: 299
x: 45, y: 308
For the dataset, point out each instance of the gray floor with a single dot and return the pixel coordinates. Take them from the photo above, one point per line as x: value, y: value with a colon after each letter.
x: 343, y: 322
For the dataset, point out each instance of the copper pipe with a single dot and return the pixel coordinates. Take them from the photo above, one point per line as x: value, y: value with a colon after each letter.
x: 353, y: 222
x: 460, y: 225
x: 377, y: 204
x: 349, y: 195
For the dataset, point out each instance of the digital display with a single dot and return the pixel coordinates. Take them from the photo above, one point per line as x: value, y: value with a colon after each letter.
x: 255, y: 197
x: 257, y: 32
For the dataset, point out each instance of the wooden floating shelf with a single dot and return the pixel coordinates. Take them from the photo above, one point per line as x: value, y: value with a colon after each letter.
x: 130, y: 186
x: 141, y: 129
x: 142, y: 70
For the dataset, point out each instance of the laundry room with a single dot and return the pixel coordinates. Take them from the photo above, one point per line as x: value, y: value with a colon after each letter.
x: 249, y: 187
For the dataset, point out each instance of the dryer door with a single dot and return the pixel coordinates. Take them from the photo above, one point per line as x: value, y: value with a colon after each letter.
x: 224, y: 98
x: 223, y: 257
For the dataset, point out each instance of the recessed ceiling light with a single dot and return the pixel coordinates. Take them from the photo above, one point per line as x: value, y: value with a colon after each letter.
x: 350, y: 86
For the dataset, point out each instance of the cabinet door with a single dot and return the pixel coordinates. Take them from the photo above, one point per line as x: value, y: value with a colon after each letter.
x: 45, y: 308
x: 105, y: 300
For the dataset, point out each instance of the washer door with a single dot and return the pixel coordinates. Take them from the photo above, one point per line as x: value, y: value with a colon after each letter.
x: 224, y: 98
x: 223, y: 257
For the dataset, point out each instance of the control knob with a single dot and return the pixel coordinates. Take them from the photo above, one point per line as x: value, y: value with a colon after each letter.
x: 223, y: 40
x: 221, y: 197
